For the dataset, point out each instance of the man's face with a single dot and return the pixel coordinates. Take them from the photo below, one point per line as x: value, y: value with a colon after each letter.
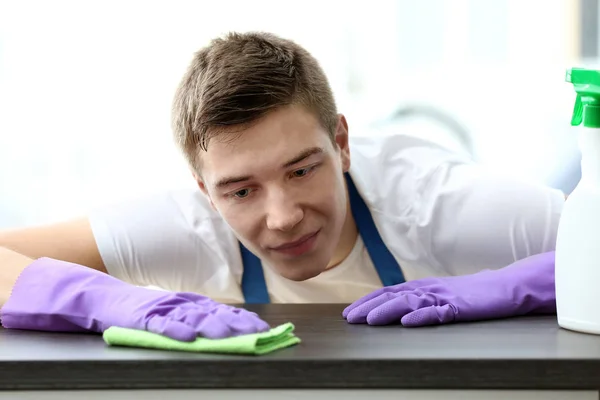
x: 280, y: 186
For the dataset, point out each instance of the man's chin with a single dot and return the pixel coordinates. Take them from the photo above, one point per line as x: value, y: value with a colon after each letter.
x: 300, y: 274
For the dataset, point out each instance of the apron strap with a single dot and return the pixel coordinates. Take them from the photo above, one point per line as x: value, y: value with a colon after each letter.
x: 387, y: 267
x: 254, y: 286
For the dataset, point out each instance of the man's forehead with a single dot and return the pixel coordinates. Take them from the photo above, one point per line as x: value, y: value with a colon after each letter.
x: 229, y: 158
x: 231, y: 165
x: 223, y: 179
x: 266, y: 144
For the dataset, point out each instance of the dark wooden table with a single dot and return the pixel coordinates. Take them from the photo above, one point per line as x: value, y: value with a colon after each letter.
x: 517, y: 353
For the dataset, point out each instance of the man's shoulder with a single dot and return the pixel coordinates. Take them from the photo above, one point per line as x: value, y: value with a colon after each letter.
x: 175, y: 212
x: 393, y: 172
x: 392, y: 156
x: 192, y: 201
x: 184, y: 200
x: 391, y: 145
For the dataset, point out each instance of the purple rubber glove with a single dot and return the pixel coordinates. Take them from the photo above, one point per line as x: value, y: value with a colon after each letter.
x: 524, y: 287
x: 53, y: 295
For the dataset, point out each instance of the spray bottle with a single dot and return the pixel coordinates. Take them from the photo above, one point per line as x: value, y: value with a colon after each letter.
x: 578, y: 241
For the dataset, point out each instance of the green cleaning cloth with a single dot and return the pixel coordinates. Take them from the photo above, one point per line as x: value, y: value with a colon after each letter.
x: 256, y: 343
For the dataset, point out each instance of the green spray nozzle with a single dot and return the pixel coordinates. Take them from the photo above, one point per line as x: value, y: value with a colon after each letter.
x: 587, y: 104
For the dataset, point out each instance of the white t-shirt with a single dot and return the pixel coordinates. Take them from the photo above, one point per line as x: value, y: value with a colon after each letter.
x: 438, y: 213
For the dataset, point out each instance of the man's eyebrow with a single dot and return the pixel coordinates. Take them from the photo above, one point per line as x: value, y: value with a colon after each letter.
x: 224, y: 182
x: 302, y: 156
x: 230, y: 180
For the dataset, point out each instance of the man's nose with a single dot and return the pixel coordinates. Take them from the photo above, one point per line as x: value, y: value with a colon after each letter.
x: 283, y: 211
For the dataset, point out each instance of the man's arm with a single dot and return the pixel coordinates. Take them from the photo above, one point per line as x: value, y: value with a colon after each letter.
x: 488, y: 220
x: 71, y: 241
x: 58, y: 296
x: 11, y: 266
x: 166, y: 240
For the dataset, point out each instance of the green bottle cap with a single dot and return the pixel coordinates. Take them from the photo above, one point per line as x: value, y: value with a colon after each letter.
x: 587, y: 104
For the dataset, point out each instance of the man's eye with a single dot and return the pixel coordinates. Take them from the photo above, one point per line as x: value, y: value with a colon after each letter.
x: 301, y: 172
x: 242, y: 193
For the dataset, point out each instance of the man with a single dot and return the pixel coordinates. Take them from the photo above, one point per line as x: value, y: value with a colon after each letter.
x: 290, y: 208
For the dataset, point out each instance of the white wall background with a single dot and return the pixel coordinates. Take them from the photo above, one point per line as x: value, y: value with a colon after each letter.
x: 86, y: 86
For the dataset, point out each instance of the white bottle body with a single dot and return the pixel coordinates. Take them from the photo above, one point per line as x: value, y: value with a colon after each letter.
x: 577, y: 270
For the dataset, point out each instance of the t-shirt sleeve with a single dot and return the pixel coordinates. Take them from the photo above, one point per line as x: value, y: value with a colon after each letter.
x: 170, y: 240
x: 478, y: 219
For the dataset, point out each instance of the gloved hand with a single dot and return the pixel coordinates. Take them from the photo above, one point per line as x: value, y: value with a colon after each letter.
x: 524, y: 287
x: 54, y: 295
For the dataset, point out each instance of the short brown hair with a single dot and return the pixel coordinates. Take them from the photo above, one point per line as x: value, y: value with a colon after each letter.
x: 238, y: 79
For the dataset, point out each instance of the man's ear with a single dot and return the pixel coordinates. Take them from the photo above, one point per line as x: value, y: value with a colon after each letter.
x: 341, y: 139
x: 203, y: 189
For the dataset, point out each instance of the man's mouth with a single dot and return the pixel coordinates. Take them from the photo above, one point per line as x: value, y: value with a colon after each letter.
x: 299, y: 246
